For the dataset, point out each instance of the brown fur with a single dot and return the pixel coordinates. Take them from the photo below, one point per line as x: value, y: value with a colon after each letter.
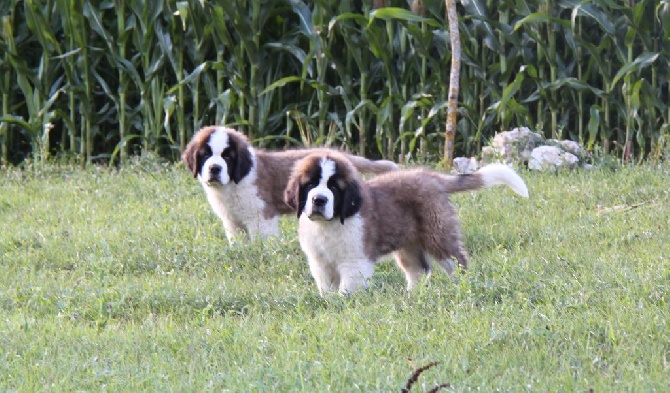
x: 413, y: 214
x: 408, y: 213
x: 274, y: 167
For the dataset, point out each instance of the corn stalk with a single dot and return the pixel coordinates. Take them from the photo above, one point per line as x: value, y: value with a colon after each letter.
x: 373, y: 77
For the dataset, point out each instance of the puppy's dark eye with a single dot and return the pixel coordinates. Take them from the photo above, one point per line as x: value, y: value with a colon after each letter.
x: 332, y: 184
x: 205, y: 152
x: 228, y: 154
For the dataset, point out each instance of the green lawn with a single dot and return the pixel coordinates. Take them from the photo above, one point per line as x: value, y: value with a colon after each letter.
x: 123, y: 281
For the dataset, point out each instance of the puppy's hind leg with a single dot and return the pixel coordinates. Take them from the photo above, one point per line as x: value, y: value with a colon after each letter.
x: 414, y: 263
x: 448, y: 246
x: 447, y: 264
x: 264, y: 228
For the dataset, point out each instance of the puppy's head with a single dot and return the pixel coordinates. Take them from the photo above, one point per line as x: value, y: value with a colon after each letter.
x: 217, y: 155
x: 324, y: 186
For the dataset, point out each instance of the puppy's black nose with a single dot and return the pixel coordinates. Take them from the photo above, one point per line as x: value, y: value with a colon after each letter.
x: 215, y: 170
x: 319, y: 201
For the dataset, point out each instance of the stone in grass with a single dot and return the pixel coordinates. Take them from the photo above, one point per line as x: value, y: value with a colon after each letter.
x: 516, y: 145
x: 489, y: 155
x: 465, y: 165
x: 571, y: 147
x: 551, y: 158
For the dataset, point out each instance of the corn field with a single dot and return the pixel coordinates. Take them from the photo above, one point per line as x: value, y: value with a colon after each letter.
x: 100, y: 81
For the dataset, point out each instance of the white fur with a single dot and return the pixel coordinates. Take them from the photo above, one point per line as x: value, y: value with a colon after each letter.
x: 333, y: 265
x: 499, y: 174
x: 237, y: 205
x: 327, y: 170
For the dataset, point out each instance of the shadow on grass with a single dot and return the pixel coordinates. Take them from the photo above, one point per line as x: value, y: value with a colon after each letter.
x: 482, y: 242
x: 130, y: 309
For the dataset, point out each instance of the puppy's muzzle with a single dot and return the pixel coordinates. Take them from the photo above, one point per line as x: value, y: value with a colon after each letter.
x: 318, y: 206
x: 319, y: 201
x: 215, y: 174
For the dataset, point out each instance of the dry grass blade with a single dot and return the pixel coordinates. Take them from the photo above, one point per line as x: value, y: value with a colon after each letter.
x: 622, y: 208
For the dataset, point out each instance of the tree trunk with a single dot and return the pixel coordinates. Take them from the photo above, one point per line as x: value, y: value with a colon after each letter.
x: 452, y: 103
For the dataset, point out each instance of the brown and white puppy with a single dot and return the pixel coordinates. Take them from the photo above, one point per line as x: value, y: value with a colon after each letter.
x: 346, y: 224
x: 245, y: 186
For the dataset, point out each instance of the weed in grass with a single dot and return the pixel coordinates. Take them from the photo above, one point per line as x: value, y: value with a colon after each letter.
x: 415, y: 376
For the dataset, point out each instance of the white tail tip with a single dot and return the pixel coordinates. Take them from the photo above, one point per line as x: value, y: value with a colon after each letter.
x: 500, y: 174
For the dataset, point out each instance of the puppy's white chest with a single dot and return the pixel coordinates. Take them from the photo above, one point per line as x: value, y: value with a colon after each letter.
x: 332, y: 242
x: 239, y: 203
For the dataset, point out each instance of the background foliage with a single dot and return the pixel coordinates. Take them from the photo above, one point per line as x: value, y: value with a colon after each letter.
x: 100, y: 81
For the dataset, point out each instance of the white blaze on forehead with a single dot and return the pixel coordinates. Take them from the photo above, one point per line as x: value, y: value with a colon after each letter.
x: 219, y: 141
x: 327, y: 170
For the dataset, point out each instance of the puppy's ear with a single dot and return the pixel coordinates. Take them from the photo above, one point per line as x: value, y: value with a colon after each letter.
x: 243, y: 162
x: 293, y: 194
x: 190, y: 157
x: 351, y: 200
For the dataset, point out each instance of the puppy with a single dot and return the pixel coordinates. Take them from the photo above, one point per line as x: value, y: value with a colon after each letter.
x: 245, y: 186
x: 346, y: 224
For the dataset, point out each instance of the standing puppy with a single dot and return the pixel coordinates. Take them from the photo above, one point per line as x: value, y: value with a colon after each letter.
x: 245, y: 186
x: 346, y: 224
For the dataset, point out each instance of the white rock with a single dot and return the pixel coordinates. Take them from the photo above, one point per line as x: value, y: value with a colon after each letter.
x: 465, y: 165
x: 517, y: 144
x: 489, y: 155
x: 569, y: 146
x: 551, y: 158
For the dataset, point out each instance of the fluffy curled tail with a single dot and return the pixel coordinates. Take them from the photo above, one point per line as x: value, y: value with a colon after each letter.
x: 495, y: 174
x: 490, y: 175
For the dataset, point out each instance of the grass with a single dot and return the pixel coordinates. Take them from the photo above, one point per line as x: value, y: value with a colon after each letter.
x: 123, y: 281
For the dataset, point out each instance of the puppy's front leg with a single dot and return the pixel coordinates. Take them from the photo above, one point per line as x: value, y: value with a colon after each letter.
x: 234, y: 232
x: 327, y: 279
x: 355, y: 275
